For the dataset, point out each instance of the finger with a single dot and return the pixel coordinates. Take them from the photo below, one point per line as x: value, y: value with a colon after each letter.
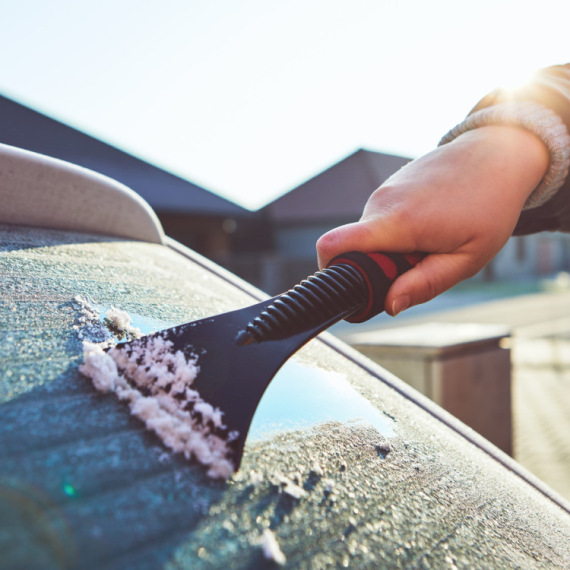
x: 377, y: 235
x: 432, y: 276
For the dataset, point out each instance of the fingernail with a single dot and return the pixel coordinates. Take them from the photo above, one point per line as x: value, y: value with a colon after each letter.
x: 400, y: 304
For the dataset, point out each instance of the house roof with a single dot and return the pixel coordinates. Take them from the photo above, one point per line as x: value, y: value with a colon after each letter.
x: 28, y: 129
x: 338, y: 193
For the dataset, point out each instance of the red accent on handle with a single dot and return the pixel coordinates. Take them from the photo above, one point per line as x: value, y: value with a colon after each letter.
x: 379, y: 271
x: 414, y: 258
x: 386, y: 264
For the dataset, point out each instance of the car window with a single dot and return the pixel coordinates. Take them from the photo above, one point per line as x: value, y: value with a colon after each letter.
x: 341, y: 467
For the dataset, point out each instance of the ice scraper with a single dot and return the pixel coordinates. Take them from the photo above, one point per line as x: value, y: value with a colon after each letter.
x: 239, y: 352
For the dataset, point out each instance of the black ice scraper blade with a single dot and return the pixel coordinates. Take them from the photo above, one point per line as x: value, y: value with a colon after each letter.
x: 239, y: 352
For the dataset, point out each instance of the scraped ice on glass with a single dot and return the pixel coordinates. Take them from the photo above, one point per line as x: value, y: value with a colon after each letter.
x: 156, y: 383
x: 271, y: 549
x: 87, y: 323
x: 122, y: 321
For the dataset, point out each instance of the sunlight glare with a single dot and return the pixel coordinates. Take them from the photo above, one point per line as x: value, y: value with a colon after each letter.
x: 514, y: 76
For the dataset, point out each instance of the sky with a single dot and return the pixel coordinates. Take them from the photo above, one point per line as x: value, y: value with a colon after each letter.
x: 249, y: 98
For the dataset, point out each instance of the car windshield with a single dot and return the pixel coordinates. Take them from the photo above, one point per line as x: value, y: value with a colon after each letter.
x: 340, y: 466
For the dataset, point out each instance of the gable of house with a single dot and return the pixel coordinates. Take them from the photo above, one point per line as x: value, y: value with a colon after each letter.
x: 338, y: 193
x: 335, y: 196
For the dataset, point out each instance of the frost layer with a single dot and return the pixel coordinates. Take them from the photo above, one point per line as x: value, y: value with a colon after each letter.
x: 156, y: 384
x: 87, y: 324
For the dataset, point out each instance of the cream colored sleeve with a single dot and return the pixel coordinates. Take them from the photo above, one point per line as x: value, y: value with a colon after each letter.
x: 541, y: 121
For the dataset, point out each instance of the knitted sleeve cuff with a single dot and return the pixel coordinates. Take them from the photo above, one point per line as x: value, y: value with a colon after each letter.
x: 541, y: 121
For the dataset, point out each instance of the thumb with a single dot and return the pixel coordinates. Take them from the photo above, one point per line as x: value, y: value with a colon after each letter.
x: 368, y: 236
x: 432, y: 276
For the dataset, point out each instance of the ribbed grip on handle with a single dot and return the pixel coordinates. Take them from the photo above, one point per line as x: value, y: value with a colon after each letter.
x: 354, y: 284
x: 379, y: 271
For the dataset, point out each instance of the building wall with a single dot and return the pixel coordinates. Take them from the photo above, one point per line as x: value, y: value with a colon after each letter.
x: 299, y: 241
x: 529, y: 257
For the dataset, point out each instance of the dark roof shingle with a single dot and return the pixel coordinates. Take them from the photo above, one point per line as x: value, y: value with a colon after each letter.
x: 339, y: 192
x: 28, y: 129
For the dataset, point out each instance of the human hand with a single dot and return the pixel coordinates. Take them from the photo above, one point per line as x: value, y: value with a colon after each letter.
x: 459, y: 204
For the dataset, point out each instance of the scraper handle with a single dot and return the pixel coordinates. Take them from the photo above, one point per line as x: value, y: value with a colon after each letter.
x: 379, y: 271
x: 353, y: 286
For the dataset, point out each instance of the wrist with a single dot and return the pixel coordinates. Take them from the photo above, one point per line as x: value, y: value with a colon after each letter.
x: 520, y: 156
x: 539, y: 120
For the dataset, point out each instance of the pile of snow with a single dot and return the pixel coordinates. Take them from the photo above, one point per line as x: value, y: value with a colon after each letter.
x: 155, y: 382
x: 122, y: 321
